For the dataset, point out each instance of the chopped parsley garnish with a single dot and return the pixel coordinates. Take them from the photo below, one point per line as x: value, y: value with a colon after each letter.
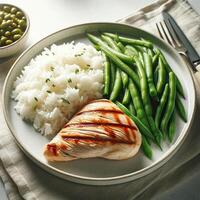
x: 88, y: 65
x: 52, y: 68
x: 76, y: 87
x: 47, y: 80
x: 36, y: 98
x: 65, y: 100
x: 69, y: 80
x: 78, y: 55
x: 53, y: 85
x: 77, y: 71
x: 48, y: 91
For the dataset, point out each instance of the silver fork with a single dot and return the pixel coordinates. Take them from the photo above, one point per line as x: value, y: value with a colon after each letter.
x: 167, y: 33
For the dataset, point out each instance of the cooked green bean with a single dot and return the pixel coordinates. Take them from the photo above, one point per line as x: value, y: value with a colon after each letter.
x: 121, y: 46
x: 170, y: 103
x: 146, y: 147
x: 161, y: 77
x: 155, y: 60
x: 113, y: 75
x: 142, y: 127
x: 113, y: 44
x: 150, y: 52
x: 124, y: 78
x: 146, y: 101
x: 132, y: 53
x: 161, y: 105
x: 149, y: 73
x: 140, y: 55
x: 131, y: 108
x: 155, y: 75
x: 103, y: 45
x: 143, y: 86
x: 180, y: 108
x: 132, y: 49
x: 168, y: 68
x: 107, y: 76
x: 172, y: 127
x: 128, y: 52
x: 130, y: 40
x: 117, y: 86
x: 110, y: 42
x: 127, y: 97
x: 137, y: 103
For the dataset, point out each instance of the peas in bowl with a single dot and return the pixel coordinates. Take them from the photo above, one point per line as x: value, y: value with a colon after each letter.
x: 14, y: 26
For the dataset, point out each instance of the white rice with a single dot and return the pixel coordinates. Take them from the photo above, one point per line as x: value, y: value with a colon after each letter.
x: 57, y: 83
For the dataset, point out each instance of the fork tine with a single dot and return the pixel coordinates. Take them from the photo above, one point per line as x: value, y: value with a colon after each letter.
x: 163, y: 34
x: 173, y: 32
x: 159, y: 32
x: 167, y: 34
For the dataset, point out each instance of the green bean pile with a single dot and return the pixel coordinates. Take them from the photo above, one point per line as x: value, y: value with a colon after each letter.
x: 12, y: 24
x: 138, y: 78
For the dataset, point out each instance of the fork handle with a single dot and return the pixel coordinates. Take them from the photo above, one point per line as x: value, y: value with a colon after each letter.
x: 188, y: 62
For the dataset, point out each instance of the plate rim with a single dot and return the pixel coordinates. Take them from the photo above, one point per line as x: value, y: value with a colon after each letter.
x: 108, y: 180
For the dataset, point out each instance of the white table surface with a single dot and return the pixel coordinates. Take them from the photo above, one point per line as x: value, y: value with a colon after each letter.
x: 48, y: 16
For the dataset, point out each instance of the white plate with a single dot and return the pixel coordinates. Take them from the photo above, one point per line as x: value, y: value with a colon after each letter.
x: 96, y: 171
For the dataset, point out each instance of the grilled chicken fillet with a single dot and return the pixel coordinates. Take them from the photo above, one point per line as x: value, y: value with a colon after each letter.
x: 100, y: 129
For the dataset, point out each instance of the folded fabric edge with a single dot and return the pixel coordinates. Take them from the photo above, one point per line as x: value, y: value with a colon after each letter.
x: 10, y: 186
x: 155, y: 7
x: 14, y: 174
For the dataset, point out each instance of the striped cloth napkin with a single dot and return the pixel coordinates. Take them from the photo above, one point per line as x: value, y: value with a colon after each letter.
x: 24, y: 180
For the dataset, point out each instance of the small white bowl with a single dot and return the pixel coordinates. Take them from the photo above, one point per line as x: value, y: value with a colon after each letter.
x: 19, y: 44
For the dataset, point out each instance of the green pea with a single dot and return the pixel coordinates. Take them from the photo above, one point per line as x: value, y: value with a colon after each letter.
x: 8, y: 16
x: 2, y: 14
x: 16, y: 31
x: 19, y: 14
x: 7, y: 34
x: 14, y: 25
x: 8, y: 42
x: 22, y: 23
x: 12, y: 16
x: 13, y: 10
x: 16, y: 37
x: 9, y: 28
x: 3, y: 40
x: 1, y: 20
x: 15, y: 20
x: 24, y: 18
x: 6, y: 8
x: 1, y: 32
x: 4, y: 25
x: 9, y: 22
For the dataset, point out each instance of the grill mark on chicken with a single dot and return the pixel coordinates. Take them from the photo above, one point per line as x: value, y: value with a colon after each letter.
x: 117, y: 133
x: 52, y: 148
x: 100, y: 100
x: 100, y: 111
x: 78, y: 139
x: 104, y: 118
x: 83, y: 124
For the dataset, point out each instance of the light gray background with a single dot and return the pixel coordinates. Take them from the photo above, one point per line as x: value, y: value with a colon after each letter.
x: 48, y: 16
